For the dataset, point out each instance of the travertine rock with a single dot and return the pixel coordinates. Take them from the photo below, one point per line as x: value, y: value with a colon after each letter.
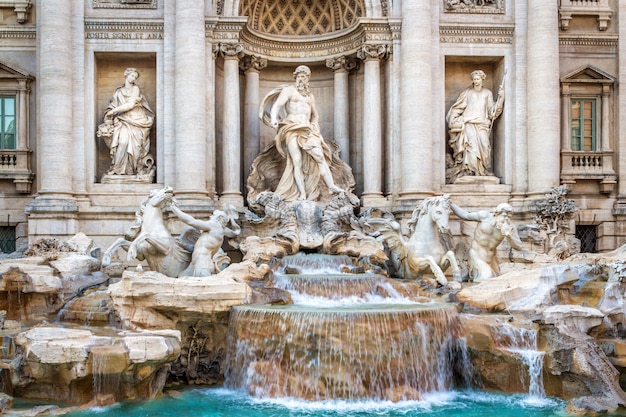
x: 140, y: 298
x: 76, y: 366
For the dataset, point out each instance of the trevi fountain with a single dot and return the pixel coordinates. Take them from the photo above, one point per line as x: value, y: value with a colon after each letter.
x: 306, y: 304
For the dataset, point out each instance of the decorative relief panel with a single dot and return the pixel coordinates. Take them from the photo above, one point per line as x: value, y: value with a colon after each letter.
x: 481, y: 35
x: 473, y: 6
x: 123, y: 30
x: 124, y: 4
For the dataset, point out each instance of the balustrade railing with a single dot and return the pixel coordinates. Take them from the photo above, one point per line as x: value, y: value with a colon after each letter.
x: 599, y: 8
x: 585, y: 165
x: 15, y: 165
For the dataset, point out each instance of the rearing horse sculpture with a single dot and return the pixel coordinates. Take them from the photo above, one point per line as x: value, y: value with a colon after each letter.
x: 424, y: 249
x: 149, y: 239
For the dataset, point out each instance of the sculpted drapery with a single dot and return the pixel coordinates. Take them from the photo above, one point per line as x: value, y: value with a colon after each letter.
x: 470, y: 120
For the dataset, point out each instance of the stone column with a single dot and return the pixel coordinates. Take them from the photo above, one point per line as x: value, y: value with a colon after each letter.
x: 566, y: 140
x: 341, y: 67
x: 372, y: 124
x: 55, y: 211
x: 620, y: 140
x: 231, y: 148
x: 55, y: 96
x: 393, y: 153
x: 251, y: 65
x: 417, y: 117
x: 22, y: 121
x: 190, y: 101
x: 544, y: 140
x: 606, y: 125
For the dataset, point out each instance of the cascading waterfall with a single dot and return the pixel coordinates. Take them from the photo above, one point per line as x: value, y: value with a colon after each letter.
x: 522, y: 342
x: 330, y: 350
x: 106, y: 373
x: 7, y: 354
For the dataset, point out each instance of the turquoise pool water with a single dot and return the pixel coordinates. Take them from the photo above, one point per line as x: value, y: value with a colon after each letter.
x: 214, y: 402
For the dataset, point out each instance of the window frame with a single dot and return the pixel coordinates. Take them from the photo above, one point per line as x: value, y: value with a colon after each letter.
x: 577, y: 143
x: 3, y: 122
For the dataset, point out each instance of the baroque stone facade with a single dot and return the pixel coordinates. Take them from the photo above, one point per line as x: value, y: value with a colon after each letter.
x: 385, y: 73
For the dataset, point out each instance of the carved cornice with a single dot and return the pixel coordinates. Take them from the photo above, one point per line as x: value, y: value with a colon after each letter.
x: 395, y: 25
x: 228, y: 29
x: 476, y: 34
x: 605, y: 41
x: 29, y: 33
x: 252, y: 62
x: 341, y: 63
x: 319, y: 48
x: 123, y: 29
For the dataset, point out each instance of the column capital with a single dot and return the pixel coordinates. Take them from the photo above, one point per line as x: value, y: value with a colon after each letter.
x: 230, y: 50
x: 342, y: 63
x: 252, y: 63
x: 378, y: 52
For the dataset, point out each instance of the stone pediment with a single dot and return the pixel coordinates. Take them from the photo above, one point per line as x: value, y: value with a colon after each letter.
x: 12, y: 72
x: 588, y: 74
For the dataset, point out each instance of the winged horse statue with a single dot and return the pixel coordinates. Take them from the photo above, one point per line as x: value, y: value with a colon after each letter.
x: 424, y: 249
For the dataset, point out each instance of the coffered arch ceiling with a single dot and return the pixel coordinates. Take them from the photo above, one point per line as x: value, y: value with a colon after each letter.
x: 301, y: 17
x: 369, y: 8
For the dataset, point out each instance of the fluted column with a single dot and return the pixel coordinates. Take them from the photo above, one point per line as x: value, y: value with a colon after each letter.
x: 543, y: 96
x: 417, y: 118
x: 251, y: 65
x: 55, y: 96
x: 341, y: 67
x: 190, y: 101
x: 231, y: 158
x: 372, y: 123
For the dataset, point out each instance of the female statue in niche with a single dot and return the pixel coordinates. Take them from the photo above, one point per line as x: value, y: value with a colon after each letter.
x: 470, y: 120
x: 126, y: 131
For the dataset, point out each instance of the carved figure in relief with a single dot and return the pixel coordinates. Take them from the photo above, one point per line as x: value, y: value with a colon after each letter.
x: 292, y: 112
x: 208, y: 257
x: 470, y: 120
x: 491, y: 230
x: 149, y: 239
x: 126, y: 130
x: 425, y: 248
